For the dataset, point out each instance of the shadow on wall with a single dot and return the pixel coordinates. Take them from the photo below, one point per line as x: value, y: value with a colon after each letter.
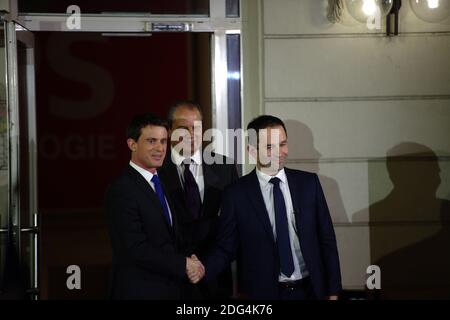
x: 409, y: 228
x: 304, y: 156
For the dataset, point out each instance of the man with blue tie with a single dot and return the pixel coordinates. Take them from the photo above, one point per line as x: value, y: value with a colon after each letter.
x: 148, y: 262
x: 275, y: 222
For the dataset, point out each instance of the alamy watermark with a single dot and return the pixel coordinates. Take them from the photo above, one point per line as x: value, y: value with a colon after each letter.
x: 263, y: 145
x: 73, y: 282
x: 374, y: 277
x: 73, y: 22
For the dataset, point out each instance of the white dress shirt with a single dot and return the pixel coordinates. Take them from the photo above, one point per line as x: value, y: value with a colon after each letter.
x: 148, y: 177
x: 195, y: 167
x: 300, y: 270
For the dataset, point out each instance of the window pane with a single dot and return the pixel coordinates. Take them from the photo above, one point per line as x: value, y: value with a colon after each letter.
x: 179, y: 7
x: 234, y: 89
x: 4, y: 175
x: 90, y: 86
x: 232, y: 8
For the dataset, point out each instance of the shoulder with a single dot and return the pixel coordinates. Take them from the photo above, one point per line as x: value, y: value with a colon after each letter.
x: 302, y: 178
x: 122, y: 194
x: 241, y: 184
x: 300, y: 174
x: 217, y: 159
x: 224, y: 167
x: 122, y: 183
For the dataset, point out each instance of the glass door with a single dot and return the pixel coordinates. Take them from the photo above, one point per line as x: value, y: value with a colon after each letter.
x: 117, y: 59
x: 4, y: 164
x: 18, y: 171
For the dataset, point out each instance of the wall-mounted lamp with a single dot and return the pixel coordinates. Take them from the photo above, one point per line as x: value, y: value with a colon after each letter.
x: 393, y: 14
x: 372, y: 11
x: 367, y: 10
x: 431, y: 10
x: 363, y: 10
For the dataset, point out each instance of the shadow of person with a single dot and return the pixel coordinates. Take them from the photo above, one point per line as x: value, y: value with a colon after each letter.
x: 409, y: 233
x: 421, y: 270
x: 304, y: 156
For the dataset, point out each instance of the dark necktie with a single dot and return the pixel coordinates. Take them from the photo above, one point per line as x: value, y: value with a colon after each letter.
x: 162, y: 199
x: 191, y: 193
x: 282, y: 228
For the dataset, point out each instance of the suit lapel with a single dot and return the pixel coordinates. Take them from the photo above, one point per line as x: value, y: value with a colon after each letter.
x: 169, y: 173
x: 211, y: 180
x: 174, y: 228
x: 295, y: 190
x: 171, y: 180
x: 255, y: 195
x: 148, y: 192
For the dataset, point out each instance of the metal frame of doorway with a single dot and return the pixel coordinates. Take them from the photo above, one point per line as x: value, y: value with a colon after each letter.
x: 217, y: 23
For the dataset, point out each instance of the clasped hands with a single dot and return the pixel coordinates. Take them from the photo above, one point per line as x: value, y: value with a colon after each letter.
x: 194, y: 269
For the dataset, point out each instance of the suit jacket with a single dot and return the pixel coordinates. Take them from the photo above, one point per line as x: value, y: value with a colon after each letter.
x: 147, y: 260
x: 199, y: 234
x: 245, y: 234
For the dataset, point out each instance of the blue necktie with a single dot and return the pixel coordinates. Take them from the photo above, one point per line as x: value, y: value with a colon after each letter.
x: 282, y: 228
x: 160, y: 193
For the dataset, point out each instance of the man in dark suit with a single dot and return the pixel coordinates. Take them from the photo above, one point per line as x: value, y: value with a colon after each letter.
x: 196, y: 186
x: 276, y: 223
x: 147, y: 260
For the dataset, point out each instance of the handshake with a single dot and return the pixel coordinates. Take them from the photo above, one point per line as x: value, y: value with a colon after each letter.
x: 194, y: 269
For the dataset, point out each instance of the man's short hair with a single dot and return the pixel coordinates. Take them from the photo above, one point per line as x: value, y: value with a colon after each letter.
x: 264, y: 122
x: 193, y: 105
x: 141, y: 121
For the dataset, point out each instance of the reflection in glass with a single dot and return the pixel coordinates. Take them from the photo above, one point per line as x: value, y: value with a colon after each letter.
x: 234, y: 89
x: 3, y: 156
x: 232, y: 8
x: 26, y: 174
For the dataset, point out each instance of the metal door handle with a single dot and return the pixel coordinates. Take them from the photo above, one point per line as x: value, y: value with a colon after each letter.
x: 30, y: 229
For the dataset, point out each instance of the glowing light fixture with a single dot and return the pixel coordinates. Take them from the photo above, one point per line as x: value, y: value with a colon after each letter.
x: 431, y: 10
x: 362, y: 10
x: 372, y: 12
x: 433, y: 4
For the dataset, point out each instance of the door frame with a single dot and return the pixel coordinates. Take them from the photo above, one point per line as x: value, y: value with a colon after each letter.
x: 217, y: 23
x: 15, y: 33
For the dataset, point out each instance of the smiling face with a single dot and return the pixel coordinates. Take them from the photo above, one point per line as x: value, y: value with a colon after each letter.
x: 272, y: 149
x: 149, y: 150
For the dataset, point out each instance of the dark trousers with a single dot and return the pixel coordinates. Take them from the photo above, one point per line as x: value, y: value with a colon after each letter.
x: 220, y: 288
x: 296, y: 290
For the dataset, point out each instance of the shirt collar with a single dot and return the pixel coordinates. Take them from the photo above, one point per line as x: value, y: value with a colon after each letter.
x: 178, y: 159
x: 264, y: 178
x: 145, y: 173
